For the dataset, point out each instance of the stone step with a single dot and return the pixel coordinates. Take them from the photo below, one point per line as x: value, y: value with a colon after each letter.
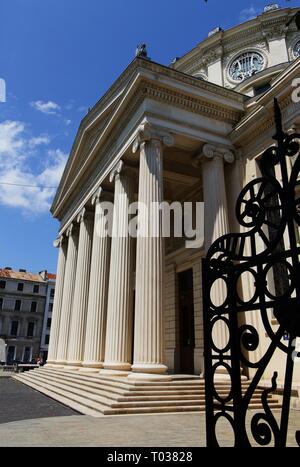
x: 98, y: 396
x: 92, y: 407
x: 120, y: 383
x: 141, y: 395
x: 115, y: 392
x: 113, y: 402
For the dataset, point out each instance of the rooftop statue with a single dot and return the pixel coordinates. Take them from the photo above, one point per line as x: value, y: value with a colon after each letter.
x: 141, y: 51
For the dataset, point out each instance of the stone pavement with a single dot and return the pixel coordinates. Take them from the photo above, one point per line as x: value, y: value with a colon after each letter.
x: 163, y: 430
x: 19, y: 402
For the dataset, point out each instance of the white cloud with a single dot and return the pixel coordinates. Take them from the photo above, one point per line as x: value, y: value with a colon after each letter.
x: 249, y: 13
x: 49, y: 108
x: 68, y: 122
x: 38, y: 141
x: 83, y: 109
x: 16, y: 168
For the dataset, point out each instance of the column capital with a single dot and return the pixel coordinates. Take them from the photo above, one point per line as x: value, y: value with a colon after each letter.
x: 83, y: 215
x: 58, y: 242
x: 70, y: 230
x: 147, y: 132
x: 210, y: 152
x: 96, y: 196
x: 116, y: 171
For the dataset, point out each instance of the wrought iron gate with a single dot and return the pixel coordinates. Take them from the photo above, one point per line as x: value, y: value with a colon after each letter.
x: 267, y: 252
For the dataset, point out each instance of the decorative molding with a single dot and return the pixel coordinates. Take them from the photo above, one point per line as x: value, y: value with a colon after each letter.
x: 70, y: 230
x: 97, y: 195
x: 116, y: 171
x: 192, y: 104
x: 58, y: 242
x: 210, y: 152
x: 147, y: 133
x: 292, y: 42
x: 82, y: 215
x: 230, y: 59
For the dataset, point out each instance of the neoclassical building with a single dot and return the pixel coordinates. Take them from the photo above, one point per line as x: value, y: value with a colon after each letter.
x: 189, y: 132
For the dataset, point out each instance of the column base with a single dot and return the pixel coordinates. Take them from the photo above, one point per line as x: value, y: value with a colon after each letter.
x: 91, y: 365
x: 73, y: 366
x: 149, y: 368
x: 107, y: 372
x: 149, y: 377
x: 89, y: 370
x: 117, y: 366
x: 61, y: 363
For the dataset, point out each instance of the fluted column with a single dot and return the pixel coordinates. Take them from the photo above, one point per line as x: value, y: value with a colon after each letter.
x: 118, y: 348
x: 216, y: 220
x: 79, y: 310
x: 215, y: 198
x: 68, y: 292
x: 57, y: 306
x: 94, y: 350
x: 148, y: 332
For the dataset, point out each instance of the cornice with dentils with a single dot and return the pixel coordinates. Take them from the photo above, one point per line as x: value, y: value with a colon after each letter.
x: 120, y: 94
x: 235, y: 36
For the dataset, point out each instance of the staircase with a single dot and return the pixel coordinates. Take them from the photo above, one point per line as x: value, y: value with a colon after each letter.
x: 96, y: 395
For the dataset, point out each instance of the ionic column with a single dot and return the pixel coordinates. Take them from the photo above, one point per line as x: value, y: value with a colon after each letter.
x: 94, y: 349
x: 118, y: 348
x: 148, y: 332
x: 79, y: 310
x: 57, y: 306
x: 216, y: 213
x: 68, y: 292
x: 216, y: 219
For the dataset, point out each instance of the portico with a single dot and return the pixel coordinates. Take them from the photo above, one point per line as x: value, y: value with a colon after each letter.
x: 117, y: 304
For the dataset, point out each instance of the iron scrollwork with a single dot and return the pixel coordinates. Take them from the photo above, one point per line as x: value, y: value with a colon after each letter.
x: 267, y: 252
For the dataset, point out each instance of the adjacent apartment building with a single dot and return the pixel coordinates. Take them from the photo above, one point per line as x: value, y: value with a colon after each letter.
x: 50, y: 278
x: 25, y: 301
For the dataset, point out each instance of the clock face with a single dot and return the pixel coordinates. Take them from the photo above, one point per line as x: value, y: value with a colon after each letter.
x: 246, y: 65
x: 296, y: 50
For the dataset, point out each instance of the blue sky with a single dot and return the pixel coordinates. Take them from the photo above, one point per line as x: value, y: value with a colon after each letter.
x: 57, y: 58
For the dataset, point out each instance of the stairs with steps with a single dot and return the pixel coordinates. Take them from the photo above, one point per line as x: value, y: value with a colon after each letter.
x: 98, y: 395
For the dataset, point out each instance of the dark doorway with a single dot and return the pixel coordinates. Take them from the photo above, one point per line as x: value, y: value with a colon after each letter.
x: 186, y: 321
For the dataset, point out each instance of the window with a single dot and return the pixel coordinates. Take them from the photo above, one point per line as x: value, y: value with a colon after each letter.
x: 52, y: 292
x: 47, y: 338
x: 36, y: 288
x: 50, y: 307
x: 2, y: 284
x: 33, y: 307
x: 11, y: 354
x: 1, y: 303
x: 246, y: 65
x: 18, y: 305
x: 20, y: 287
x: 49, y: 321
x: 14, y: 328
x: 27, y: 355
x: 30, y: 330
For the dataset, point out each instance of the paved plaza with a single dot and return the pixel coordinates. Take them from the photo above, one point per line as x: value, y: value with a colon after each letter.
x: 28, y: 418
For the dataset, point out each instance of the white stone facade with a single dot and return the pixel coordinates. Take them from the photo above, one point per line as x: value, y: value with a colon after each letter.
x: 162, y: 134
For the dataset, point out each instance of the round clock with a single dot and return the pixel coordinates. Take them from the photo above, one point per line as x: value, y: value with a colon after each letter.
x: 296, y: 49
x: 246, y: 65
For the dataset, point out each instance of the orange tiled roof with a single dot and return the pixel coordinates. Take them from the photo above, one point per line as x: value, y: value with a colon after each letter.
x: 24, y: 276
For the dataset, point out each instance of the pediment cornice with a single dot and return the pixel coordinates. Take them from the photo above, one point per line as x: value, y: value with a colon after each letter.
x: 100, y: 134
x: 261, y: 29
